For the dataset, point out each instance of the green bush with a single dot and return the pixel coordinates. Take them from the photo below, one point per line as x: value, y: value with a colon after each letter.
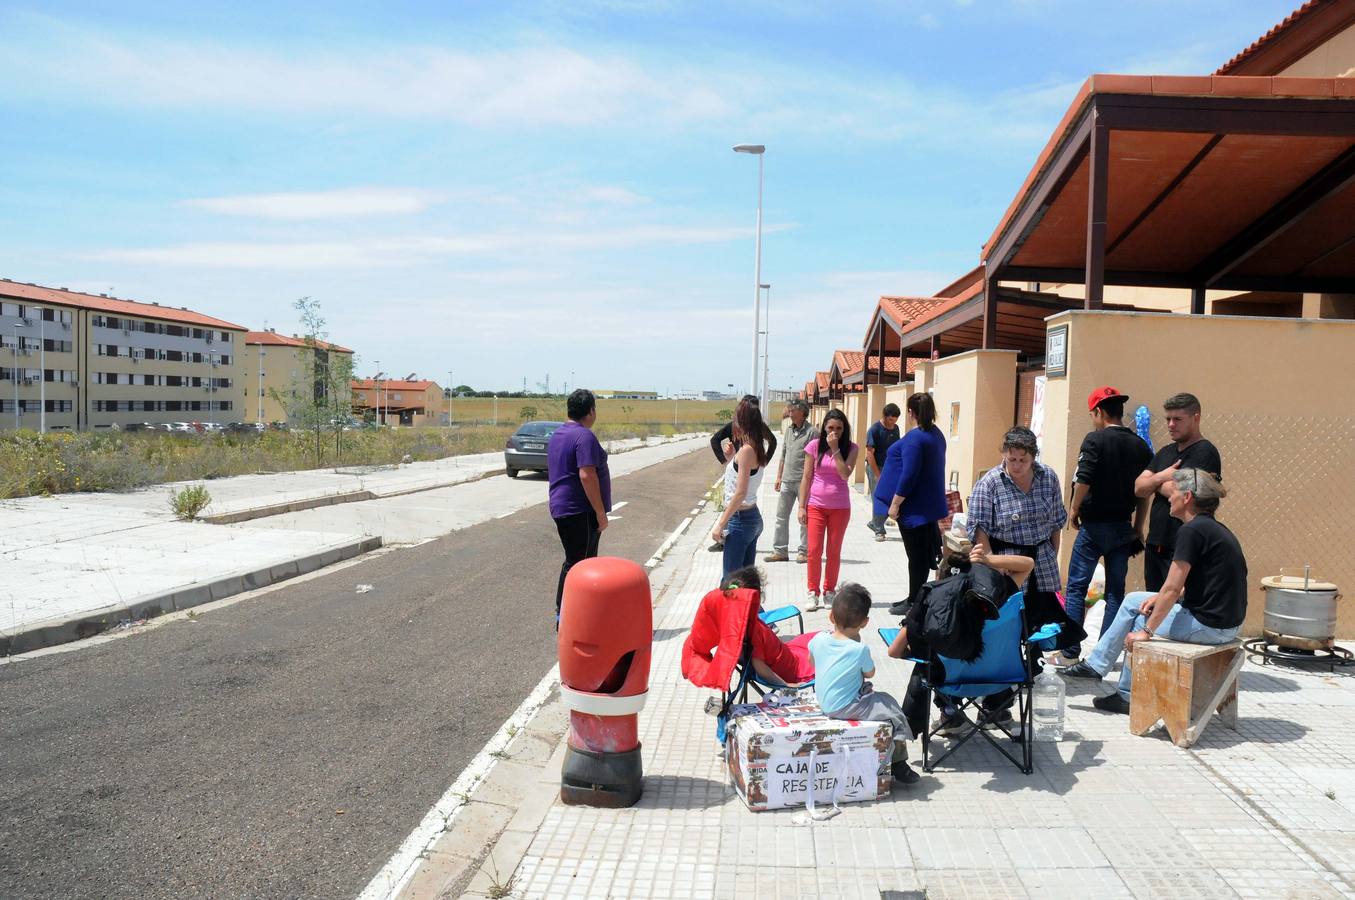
x: 189, y: 502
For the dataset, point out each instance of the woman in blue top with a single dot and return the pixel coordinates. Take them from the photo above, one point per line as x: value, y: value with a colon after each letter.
x: 912, y: 492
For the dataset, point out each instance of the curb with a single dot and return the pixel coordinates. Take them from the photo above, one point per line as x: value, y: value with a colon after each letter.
x: 149, y: 606
x: 278, y: 509
x: 497, y: 821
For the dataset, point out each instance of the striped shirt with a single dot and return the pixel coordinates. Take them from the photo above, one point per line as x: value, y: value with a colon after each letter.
x: 1007, y: 513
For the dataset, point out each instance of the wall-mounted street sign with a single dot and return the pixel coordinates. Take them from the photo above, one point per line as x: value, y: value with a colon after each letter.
x: 1056, y: 351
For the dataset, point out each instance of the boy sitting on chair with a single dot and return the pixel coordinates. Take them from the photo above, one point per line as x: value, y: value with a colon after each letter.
x: 841, y: 665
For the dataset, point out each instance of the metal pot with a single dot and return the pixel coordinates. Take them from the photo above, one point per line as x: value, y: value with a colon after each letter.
x: 1300, y: 613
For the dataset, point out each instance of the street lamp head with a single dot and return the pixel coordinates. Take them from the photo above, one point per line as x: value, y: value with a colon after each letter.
x: 755, y: 149
x: 765, y: 287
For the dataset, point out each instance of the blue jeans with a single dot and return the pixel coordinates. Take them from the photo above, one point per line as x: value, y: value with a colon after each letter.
x: 745, y: 526
x: 877, y: 523
x: 1179, y: 625
x: 1096, y: 541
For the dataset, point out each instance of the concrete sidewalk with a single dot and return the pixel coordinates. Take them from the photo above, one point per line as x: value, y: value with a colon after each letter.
x: 1267, y: 811
x: 72, y: 565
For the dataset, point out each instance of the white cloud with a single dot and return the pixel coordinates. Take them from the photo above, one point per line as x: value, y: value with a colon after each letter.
x: 410, y: 250
x: 929, y: 21
x: 532, y: 85
x: 344, y: 203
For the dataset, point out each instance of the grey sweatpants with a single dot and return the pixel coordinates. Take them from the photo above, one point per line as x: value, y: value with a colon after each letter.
x: 877, y: 706
x: 790, y: 493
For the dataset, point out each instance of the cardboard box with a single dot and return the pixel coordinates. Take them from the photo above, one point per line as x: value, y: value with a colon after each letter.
x: 774, y: 752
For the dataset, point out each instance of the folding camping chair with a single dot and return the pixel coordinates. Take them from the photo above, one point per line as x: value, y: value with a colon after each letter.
x: 747, y: 676
x: 1004, y: 664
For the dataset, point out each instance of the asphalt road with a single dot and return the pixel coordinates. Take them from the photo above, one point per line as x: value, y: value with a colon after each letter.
x: 285, y: 745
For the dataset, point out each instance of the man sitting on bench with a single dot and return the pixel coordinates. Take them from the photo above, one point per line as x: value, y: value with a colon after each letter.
x: 1203, y: 601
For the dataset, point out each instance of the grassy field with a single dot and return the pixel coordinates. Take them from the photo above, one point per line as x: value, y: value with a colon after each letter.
x: 610, y: 412
x: 36, y: 464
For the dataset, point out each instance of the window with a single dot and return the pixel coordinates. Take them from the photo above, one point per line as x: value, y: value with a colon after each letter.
x: 197, y: 333
x: 172, y: 405
x: 48, y: 315
x: 225, y: 337
x: 58, y: 406
x: 955, y: 420
x: 173, y: 355
x: 225, y: 360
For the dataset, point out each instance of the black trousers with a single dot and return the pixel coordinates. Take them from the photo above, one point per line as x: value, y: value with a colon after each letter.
x: 922, y: 543
x: 579, y: 536
x: 1156, y: 561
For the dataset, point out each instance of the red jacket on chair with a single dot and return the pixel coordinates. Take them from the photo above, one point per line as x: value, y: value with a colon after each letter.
x: 712, y: 649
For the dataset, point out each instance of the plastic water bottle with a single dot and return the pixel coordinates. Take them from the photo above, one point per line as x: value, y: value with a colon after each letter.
x: 1047, y: 701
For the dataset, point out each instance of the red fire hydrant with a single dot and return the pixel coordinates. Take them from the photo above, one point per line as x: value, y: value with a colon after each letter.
x: 606, y: 634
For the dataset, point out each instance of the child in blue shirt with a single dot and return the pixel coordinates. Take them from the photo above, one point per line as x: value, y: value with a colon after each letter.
x: 841, y: 666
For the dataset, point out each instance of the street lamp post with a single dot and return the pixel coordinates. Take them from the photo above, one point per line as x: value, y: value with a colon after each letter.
x: 14, y: 374
x: 42, y: 375
x: 376, y: 391
x: 451, y: 393
x: 759, y: 151
x: 766, y: 348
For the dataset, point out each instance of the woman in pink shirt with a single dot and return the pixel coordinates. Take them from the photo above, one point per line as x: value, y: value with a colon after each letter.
x: 828, y: 503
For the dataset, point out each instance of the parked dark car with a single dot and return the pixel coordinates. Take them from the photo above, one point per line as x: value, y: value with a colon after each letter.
x: 526, y: 448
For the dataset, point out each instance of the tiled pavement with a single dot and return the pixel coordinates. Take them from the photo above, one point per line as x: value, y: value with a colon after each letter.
x: 1268, y: 811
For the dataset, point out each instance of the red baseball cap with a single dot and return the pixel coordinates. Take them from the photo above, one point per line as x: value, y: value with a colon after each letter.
x: 1102, y: 393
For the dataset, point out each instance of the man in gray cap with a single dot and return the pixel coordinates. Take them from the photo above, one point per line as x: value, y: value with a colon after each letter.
x: 788, y: 476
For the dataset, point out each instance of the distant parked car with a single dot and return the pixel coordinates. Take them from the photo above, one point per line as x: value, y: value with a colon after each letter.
x: 526, y: 448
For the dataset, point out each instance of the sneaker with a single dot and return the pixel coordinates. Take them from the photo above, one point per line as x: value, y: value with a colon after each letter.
x: 1004, y: 721
x: 812, y: 602
x: 903, y: 773
x: 716, y: 548
x: 802, y: 557
x: 776, y: 556
x: 1112, y: 703
x: 1060, y: 660
x: 952, y: 724
x: 828, y: 599
x: 879, y: 537
x: 900, y: 608
x: 1080, y: 669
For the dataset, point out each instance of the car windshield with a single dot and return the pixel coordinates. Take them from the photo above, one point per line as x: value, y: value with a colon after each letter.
x: 538, y: 429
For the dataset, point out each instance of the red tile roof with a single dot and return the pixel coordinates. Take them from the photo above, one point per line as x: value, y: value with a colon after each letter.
x: 367, y: 384
x: 273, y: 339
x: 1303, y: 30
x: 848, y: 362
x: 905, y: 309
x: 63, y: 297
x: 821, y: 379
x: 950, y: 303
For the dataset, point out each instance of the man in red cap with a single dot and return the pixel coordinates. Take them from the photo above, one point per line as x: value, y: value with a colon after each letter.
x: 1104, y: 503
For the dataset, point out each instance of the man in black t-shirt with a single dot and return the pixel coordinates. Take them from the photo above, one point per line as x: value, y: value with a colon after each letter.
x: 1187, y: 450
x: 1104, y: 510
x: 1204, y: 599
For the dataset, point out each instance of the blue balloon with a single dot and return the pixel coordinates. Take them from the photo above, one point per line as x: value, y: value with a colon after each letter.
x: 1142, y: 424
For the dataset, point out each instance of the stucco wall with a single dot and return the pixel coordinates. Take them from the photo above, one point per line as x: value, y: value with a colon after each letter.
x: 1334, y: 58
x: 983, y: 384
x: 1273, y: 398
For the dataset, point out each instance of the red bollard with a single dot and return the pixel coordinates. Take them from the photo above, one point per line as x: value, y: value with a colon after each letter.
x: 606, y: 635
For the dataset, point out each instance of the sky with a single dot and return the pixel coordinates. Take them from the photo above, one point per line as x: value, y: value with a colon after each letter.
x: 515, y: 191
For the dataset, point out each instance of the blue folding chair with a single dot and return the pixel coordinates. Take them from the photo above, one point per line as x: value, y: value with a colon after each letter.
x: 781, y: 614
x: 1004, y: 664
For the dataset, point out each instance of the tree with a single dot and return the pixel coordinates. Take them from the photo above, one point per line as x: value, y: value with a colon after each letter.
x: 465, y: 390
x: 320, y: 398
x: 724, y: 415
x: 527, y: 413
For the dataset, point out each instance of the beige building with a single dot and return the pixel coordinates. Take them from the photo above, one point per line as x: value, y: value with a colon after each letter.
x: 273, y: 364
x: 400, y: 402
x: 71, y: 361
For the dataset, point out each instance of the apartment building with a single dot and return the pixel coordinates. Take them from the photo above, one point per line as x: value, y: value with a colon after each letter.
x: 273, y: 364
x: 71, y: 361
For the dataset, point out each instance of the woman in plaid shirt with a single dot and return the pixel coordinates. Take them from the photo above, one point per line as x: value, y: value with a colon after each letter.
x: 1017, y: 507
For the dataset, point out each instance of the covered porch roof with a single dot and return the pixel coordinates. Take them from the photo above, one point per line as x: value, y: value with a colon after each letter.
x: 1226, y: 182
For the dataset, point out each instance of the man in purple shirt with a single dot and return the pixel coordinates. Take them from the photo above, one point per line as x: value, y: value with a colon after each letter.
x: 580, y: 485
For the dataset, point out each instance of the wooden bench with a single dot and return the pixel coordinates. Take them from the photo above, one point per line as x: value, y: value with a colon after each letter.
x: 1183, y: 685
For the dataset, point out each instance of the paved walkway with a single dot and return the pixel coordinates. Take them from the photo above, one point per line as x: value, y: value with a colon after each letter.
x: 1266, y: 812
x: 72, y: 564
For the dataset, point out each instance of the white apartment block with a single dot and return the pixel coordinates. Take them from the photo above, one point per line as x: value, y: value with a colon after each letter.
x: 71, y: 361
